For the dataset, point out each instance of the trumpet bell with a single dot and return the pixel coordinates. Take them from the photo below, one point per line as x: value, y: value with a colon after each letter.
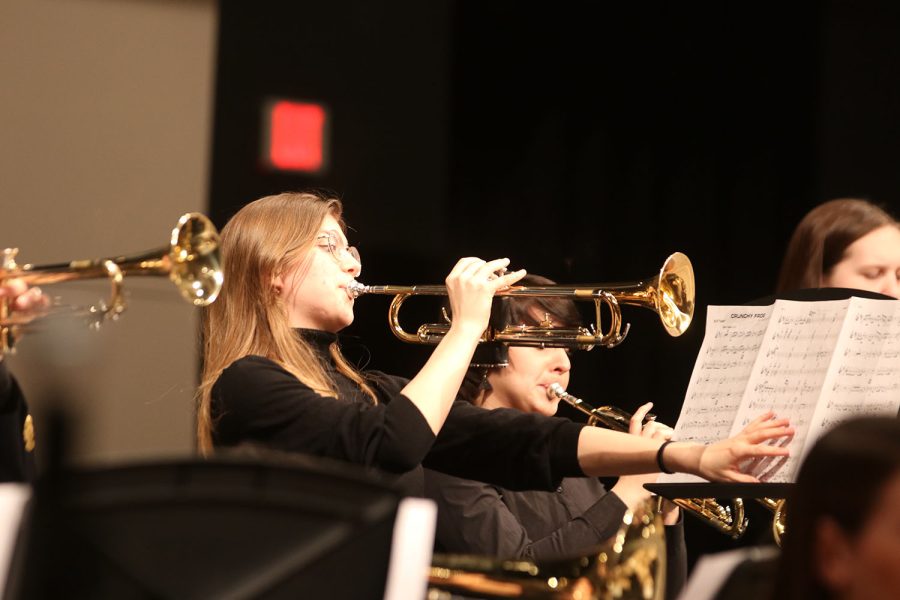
x: 194, y: 258
x: 190, y: 261
x: 675, y: 296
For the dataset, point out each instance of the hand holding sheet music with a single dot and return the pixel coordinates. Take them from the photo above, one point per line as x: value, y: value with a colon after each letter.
x: 726, y: 460
x: 814, y: 363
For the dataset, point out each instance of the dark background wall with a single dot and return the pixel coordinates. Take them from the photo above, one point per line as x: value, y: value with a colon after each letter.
x: 585, y: 142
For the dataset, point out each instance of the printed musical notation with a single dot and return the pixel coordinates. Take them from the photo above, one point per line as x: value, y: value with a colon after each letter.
x: 815, y: 363
x: 730, y: 346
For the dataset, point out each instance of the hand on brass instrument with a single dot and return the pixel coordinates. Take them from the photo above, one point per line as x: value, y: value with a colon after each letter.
x: 19, y: 304
x: 20, y: 297
x: 630, y: 488
x: 471, y: 285
x: 651, y: 429
x: 726, y: 460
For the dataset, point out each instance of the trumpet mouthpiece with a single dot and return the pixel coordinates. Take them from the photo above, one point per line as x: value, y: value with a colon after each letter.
x: 356, y: 289
x: 554, y: 390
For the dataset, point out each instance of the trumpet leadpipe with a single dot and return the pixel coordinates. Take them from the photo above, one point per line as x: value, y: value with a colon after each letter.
x: 608, y: 416
x: 356, y: 289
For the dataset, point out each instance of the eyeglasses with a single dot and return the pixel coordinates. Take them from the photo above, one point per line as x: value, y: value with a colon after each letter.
x: 337, y: 248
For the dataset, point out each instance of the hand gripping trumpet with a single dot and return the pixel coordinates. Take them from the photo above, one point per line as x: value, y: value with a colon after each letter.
x: 669, y: 293
x: 190, y: 261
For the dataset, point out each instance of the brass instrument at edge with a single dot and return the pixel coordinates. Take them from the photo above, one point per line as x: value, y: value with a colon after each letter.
x: 190, y: 261
x: 669, y: 293
x: 631, y: 565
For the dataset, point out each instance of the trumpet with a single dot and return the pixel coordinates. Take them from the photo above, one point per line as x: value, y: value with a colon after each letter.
x: 727, y: 519
x: 669, y: 293
x: 190, y: 261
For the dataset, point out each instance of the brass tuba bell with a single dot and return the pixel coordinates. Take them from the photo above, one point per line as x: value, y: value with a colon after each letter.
x: 629, y: 566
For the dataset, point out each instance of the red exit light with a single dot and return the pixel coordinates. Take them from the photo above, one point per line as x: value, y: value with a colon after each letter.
x: 296, y: 136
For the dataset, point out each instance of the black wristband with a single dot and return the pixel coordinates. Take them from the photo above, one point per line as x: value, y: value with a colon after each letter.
x: 659, y: 458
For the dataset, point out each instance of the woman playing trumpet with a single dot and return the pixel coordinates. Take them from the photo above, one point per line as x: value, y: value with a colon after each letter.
x: 479, y: 518
x: 274, y: 375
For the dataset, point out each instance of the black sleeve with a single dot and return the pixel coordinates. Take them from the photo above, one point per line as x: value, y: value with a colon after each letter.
x: 6, y: 387
x: 474, y: 518
x: 676, y: 558
x: 255, y: 400
x: 506, y: 447
x: 16, y: 462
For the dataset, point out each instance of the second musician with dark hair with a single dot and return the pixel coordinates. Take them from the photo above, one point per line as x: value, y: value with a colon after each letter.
x: 478, y: 518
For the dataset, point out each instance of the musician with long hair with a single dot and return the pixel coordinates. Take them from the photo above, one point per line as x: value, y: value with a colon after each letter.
x: 479, y: 518
x: 273, y: 374
x: 845, y: 243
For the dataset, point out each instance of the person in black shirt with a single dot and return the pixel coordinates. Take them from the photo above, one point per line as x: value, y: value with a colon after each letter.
x: 274, y: 376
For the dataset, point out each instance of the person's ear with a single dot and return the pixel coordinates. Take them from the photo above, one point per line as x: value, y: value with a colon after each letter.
x: 277, y: 284
x: 834, y: 556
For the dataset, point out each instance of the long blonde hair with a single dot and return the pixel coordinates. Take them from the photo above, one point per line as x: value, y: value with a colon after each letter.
x: 263, y: 240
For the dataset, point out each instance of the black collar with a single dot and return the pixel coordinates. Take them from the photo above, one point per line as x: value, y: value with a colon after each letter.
x: 318, y: 339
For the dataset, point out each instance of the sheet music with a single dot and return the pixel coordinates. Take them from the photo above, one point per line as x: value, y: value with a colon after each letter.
x: 789, y: 373
x: 864, y: 375
x: 729, y: 350
x: 815, y: 363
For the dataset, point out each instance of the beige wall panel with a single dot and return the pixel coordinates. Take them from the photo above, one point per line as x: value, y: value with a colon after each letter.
x: 105, y: 117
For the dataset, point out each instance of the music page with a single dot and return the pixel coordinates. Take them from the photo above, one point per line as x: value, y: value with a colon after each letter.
x: 729, y: 350
x: 789, y: 373
x: 864, y: 375
x: 815, y: 363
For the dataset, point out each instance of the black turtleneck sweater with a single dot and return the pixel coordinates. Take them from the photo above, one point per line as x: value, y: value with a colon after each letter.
x: 255, y: 401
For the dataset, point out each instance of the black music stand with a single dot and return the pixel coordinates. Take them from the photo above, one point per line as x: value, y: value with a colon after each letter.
x: 234, y: 528
x: 817, y: 295
x: 672, y: 491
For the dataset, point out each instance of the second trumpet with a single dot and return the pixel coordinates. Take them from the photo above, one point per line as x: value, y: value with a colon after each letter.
x: 727, y: 519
